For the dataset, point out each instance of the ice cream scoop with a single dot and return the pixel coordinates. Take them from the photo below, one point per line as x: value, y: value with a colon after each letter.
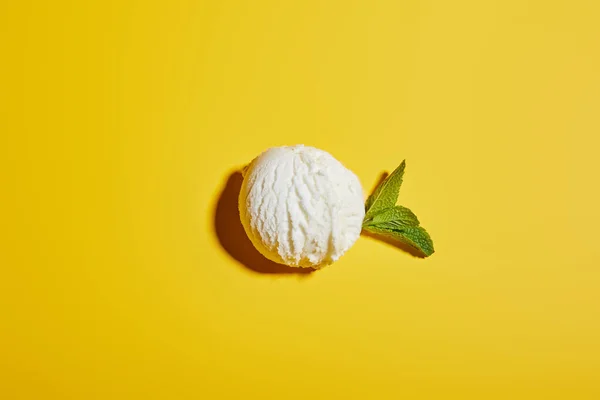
x: 300, y: 206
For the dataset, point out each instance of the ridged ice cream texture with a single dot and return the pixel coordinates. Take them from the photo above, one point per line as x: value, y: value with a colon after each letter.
x: 300, y: 206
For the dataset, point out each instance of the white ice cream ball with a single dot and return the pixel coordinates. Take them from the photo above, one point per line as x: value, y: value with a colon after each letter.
x: 300, y: 206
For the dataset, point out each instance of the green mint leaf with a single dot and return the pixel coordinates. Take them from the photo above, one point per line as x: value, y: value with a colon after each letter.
x: 414, y: 236
x: 384, y: 217
x: 396, y: 216
x: 386, y: 194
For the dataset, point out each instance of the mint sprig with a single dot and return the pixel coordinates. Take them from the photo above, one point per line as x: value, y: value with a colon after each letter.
x: 384, y: 217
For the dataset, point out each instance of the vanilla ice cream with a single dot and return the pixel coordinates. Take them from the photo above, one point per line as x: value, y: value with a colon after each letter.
x: 300, y: 206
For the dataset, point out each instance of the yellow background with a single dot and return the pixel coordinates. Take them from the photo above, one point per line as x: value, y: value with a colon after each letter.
x: 121, y: 123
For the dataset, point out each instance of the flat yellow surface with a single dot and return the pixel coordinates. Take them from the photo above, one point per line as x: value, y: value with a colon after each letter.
x: 124, y: 274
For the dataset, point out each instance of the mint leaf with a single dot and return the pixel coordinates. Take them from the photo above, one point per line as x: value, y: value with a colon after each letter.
x: 414, y: 236
x: 396, y: 216
x: 384, y: 217
x: 386, y: 194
